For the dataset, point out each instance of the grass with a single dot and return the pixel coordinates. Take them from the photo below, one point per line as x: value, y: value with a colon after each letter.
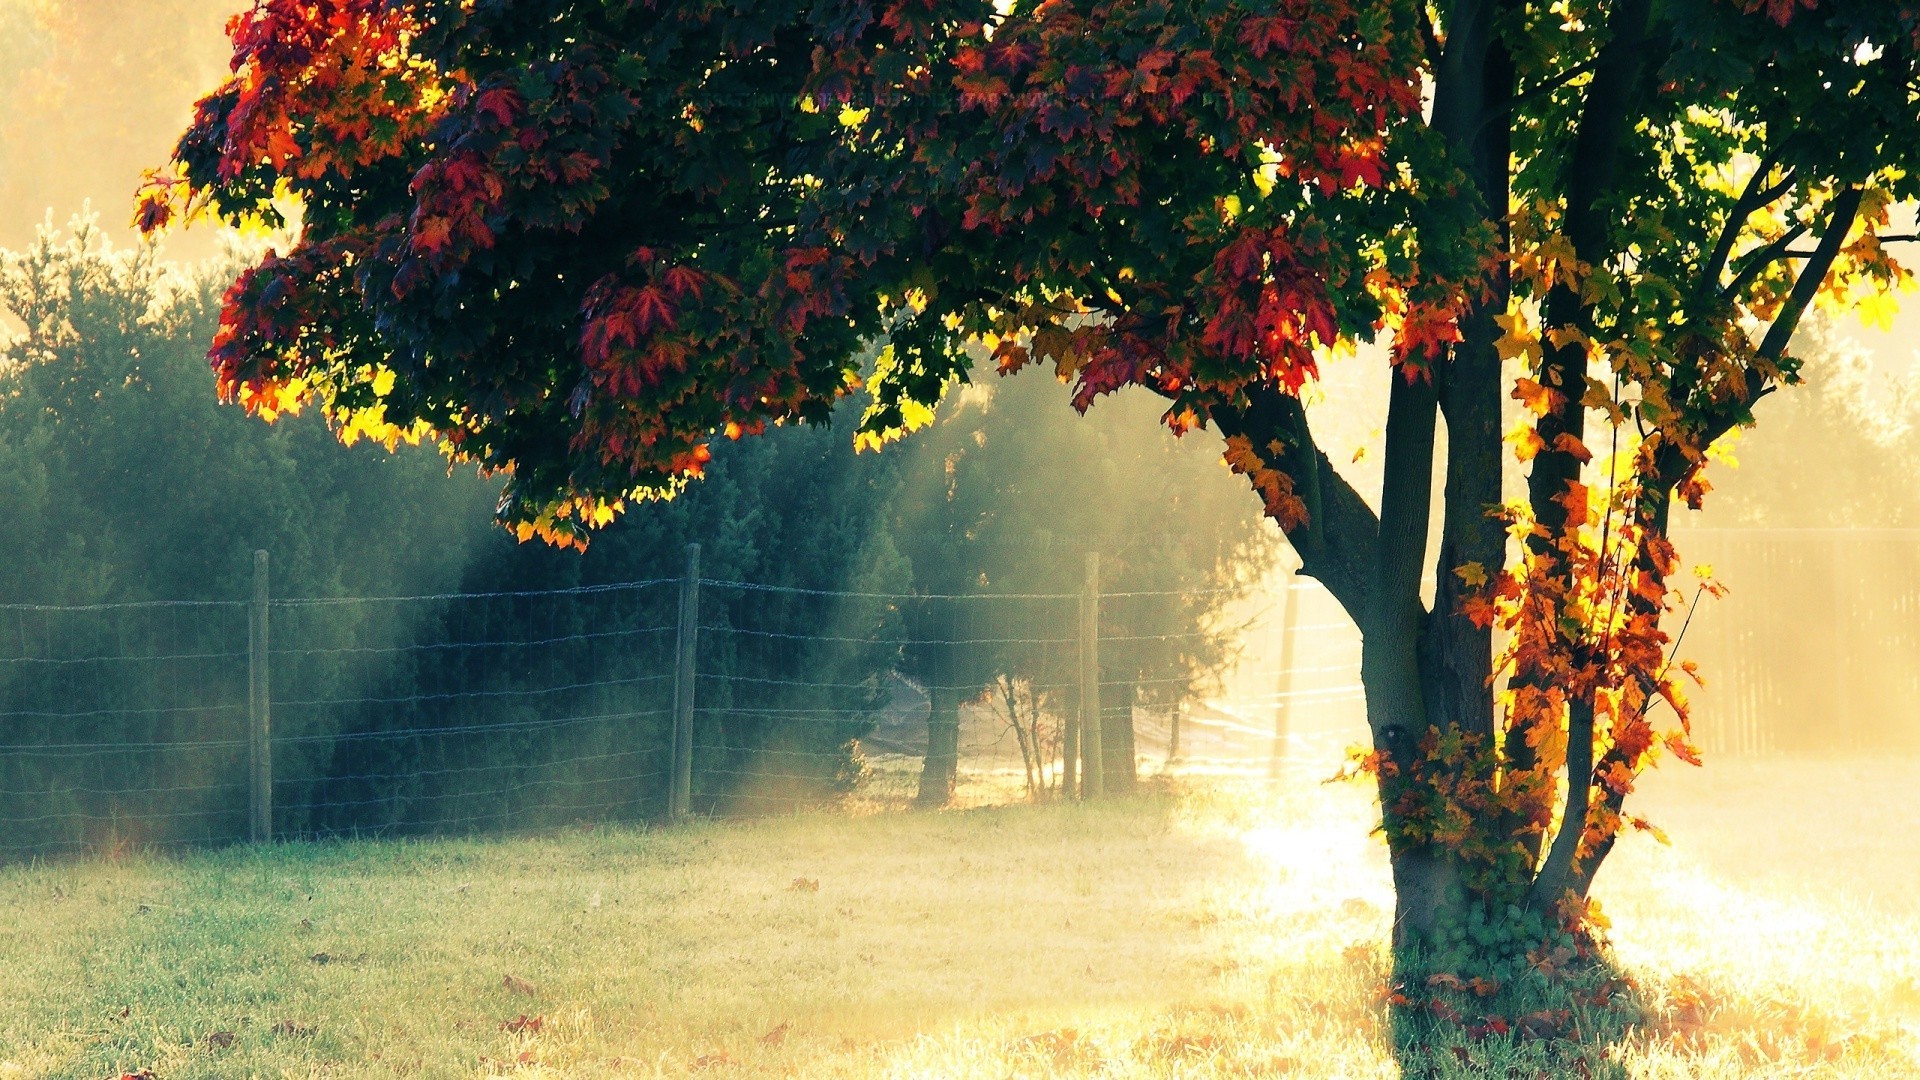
x: 1208, y: 928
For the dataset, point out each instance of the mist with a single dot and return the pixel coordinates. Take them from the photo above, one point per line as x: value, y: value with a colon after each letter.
x: 808, y: 793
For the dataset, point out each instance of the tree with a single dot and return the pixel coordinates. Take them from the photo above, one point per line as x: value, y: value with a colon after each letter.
x: 125, y: 482
x: 577, y: 242
x: 1000, y: 497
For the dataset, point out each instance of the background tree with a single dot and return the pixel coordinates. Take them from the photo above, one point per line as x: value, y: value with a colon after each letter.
x: 128, y: 482
x: 578, y: 243
x: 124, y: 481
x: 1001, y: 497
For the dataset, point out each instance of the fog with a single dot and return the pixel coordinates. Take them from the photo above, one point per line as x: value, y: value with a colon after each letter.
x: 433, y: 677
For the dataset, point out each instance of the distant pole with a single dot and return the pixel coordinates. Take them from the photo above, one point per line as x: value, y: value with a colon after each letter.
x: 259, y: 712
x: 1092, y: 765
x: 1283, y: 682
x: 1070, y: 757
x: 680, y: 791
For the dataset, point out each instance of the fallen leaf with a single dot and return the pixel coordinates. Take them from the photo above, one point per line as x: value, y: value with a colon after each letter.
x: 292, y: 1029
x: 803, y: 884
x: 778, y: 1035
x: 713, y: 1061
x: 524, y: 1025
x: 519, y: 985
x: 1538, y: 1026
x: 220, y: 1040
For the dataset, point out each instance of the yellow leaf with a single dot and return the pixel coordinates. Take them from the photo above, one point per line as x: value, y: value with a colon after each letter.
x: 1877, y: 310
x: 1527, y: 443
x: 1518, y: 339
x: 1722, y: 449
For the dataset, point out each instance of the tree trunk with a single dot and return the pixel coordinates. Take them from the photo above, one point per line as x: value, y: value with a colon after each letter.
x: 943, y: 748
x: 1117, y: 748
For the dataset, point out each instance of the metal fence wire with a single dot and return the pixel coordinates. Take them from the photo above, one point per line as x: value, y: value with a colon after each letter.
x: 134, y: 725
x: 170, y: 724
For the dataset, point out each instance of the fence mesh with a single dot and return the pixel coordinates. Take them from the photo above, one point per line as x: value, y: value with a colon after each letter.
x: 476, y: 711
x: 129, y: 724
x: 122, y: 724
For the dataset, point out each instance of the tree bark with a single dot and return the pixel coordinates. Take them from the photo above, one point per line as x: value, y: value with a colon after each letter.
x: 1426, y: 877
x: 1472, y: 108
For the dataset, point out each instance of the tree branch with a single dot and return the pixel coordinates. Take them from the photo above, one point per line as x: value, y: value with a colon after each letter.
x: 1846, y: 208
x: 1548, y: 86
x: 1556, y: 873
x: 1338, y: 543
x: 1752, y: 198
x: 1760, y: 260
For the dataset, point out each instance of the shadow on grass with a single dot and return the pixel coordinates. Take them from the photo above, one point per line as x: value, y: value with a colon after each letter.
x: 1562, y: 1016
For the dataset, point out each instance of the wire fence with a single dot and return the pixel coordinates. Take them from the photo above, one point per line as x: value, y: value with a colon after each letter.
x: 1815, y: 648
x: 145, y: 724
x: 169, y: 724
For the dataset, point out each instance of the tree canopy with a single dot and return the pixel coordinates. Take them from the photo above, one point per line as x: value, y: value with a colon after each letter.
x: 578, y: 242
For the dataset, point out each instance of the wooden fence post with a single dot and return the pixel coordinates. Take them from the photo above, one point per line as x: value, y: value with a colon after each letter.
x: 1092, y: 763
x: 680, y: 783
x: 1283, y: 689
x: 259, y: 712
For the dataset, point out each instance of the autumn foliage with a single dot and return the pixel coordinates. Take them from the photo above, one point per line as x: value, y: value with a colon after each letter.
x: 575, y: 242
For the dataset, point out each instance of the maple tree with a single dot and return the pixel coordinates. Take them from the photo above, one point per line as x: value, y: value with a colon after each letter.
x: 576, y: 242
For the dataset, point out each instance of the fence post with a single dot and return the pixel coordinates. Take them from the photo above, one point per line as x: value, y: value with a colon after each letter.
x: 1283, y: 682
x: 680, y: 785
x: 1092, y: 764
x: 259, y: 712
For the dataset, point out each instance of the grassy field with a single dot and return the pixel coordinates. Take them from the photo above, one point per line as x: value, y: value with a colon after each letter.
x: 1208, y: 928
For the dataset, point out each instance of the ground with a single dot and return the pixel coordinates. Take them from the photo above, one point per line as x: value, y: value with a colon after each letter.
x: 1208, y: 927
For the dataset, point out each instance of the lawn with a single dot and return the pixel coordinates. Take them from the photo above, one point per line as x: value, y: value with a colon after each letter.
x: 1210, y: 927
